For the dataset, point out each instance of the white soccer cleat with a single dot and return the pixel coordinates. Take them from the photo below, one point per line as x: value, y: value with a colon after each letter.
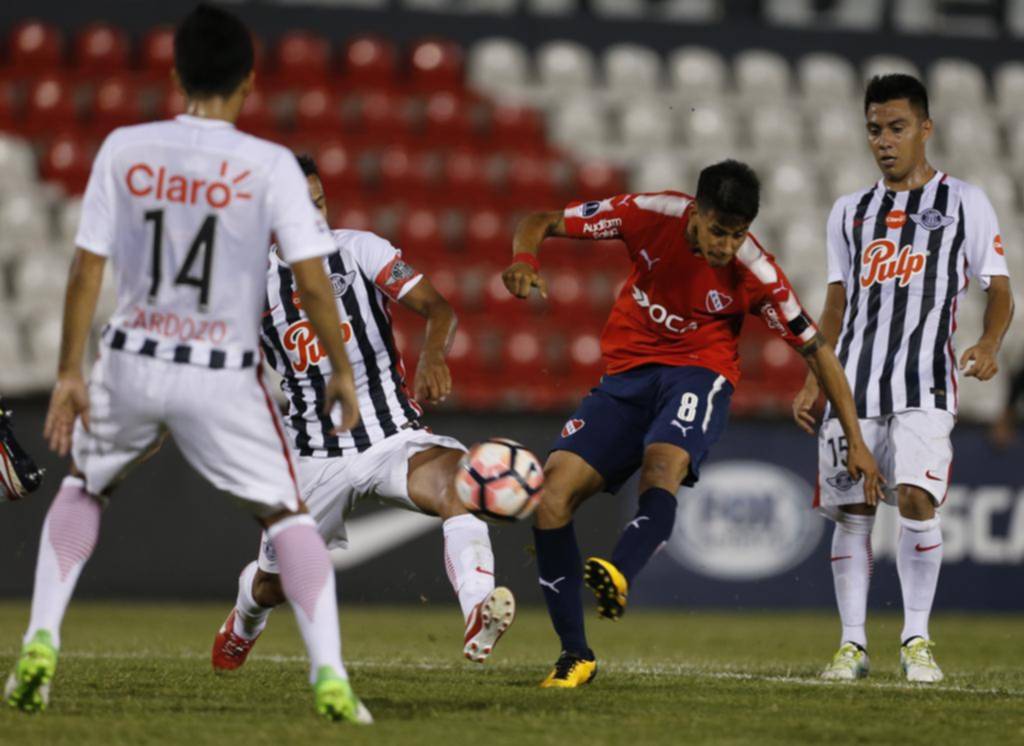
x: 918, y: 662
x: 848, y: 664
x: 487, y: 622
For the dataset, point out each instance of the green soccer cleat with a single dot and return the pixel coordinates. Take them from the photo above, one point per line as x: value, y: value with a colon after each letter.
x: 918, y: 663
x: 28, y: 686
x: 335, y: 699
x: 848, y: 664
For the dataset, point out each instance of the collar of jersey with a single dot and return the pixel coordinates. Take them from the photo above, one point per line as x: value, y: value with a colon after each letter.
x: 202, y: 121
x: 936, y: 178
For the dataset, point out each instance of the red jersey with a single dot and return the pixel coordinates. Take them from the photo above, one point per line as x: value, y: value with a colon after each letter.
x: 675, y: 308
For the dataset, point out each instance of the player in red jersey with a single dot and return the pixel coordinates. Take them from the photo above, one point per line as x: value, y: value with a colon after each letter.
x: 671, y: 348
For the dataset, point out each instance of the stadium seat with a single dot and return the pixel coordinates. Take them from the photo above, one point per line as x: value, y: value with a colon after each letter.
x: 256, y: 116
x: 35, y: 47
x: 67, y: 161
x: 761, y: 77
x: 22, y: 224
x: 436, y: 64
x: 884, y: 64
x: 710, y: 129
x: 156, y: 53
x: 488, y: 236
x: 658, y: 173
x: 697, y: 74
x: 517, y: 128
x: 101, y: 49
x: 646, y: 127
x: 301, y: 58
x: 464, y: 179
x: 339, y: 170
x: 350, y: 214
x: 69, y: 215
x: 531, y: 183
x: 380, y: 118
x: 955, y: 84
x: 44, y: 341
x: 116, y: 102
x: 405, y: 174
x: 565, y: 67
x: 498, y: 67
x: 50, y: 106
x: 839, y: 129
x: 851, y: 174
x: 790, y: 187
x: 969, y: 137
x: 631, y: 71
x: 448, y: 121
x: 581, y: 127
x: 597, y: 179
x: 318, y: 112
x: 17, y: 164
x: 369, y: 63
x: 777, y: 130
x: 1008, y: 81
x: 10, y: 112
x: 39, y: 283
x: 826, y: 80
x: 998, y: 186
x: 420, y: 235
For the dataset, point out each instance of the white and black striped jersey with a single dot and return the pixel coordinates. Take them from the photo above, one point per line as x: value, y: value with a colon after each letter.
x: 905, y: 258
x: 366, y: 272
x: 184, y: 210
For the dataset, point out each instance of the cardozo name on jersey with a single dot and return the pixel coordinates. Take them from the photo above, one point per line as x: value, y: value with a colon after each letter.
x: 182, y: 328
x: 144, y: 180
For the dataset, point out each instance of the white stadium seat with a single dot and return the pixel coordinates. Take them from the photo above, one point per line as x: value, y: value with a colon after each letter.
x: 955, y: 84
x: 658, y: 174
x: 839, y: 130
x: 827, y: 79
x: 999, y: 186
x: 647, y: 127
x: 17, y: 164
x: 580, y: 126
x: 968, y: 137
x: 885, y: 64
x: 631, y: 70
x: 498, y: 66
x: 44, y: 340
x: 762, y: 76
x: 565, y: 67
x: 68, y: 217
x: 709, y: 128
x: 697, y: 74
x: 850, y: 174
x: 40, y: 278
x: 791, y: 188
x: 1008, y: 83
x: 776, y: 130
x: 23, y: 219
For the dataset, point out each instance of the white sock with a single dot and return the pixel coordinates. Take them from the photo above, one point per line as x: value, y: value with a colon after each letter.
x: 307, y: 579
x: 852, y: 564
x: 69, y: 535
x: 469, y: 560
x: 918, y: 559
x: 250, y: 617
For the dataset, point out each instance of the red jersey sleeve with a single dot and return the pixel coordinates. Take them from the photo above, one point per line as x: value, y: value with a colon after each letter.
x: 614, y: 217
x: 772, y: 296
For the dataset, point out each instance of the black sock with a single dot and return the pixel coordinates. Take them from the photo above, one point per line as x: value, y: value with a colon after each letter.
x: 652, y: 525
x: 560, y: 568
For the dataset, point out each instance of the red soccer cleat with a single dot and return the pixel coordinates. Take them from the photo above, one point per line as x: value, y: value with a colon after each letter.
x: 487, y: 622
x: 230, y: 649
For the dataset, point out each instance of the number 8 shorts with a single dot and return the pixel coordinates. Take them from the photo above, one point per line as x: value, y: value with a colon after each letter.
x: 911, y: 447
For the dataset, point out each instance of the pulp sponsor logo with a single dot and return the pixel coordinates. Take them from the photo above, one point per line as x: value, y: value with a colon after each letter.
x: 145, y: 180
x: 603, y: 228
x: 997, y: 244
x: 895, y: 219
x: 572, y: 427
x: 661, y: 315
x: 300, y: 340
x: 180, y: 328
x: 882, y: 263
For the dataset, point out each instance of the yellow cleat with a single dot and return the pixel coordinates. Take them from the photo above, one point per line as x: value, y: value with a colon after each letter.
x: 570, y: 672
x: 609, y: 585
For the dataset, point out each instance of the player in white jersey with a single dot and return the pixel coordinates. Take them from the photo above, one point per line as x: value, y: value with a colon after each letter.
x: 389, y: 455
x: 184, y: 210
x: 900, y: 255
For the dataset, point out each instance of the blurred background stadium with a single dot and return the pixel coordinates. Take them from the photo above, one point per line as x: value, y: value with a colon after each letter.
x: 437, y: 123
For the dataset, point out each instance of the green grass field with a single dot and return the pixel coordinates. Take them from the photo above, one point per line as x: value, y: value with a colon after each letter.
x: 140, y: 674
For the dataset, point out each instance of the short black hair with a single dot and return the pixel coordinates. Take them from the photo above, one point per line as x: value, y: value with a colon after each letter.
x: 883, y: 88
x: 731, y: 189
x: 307, y: 164
x: 213, y: 52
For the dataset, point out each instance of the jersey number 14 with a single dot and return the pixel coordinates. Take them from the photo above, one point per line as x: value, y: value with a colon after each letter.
x: 200, y: 250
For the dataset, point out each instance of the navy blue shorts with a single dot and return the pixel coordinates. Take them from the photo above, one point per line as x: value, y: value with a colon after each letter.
x: 684, y: 406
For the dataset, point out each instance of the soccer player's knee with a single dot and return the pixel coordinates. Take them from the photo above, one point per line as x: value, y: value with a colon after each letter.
x: 915, y: 503
x: 556, y: 506
x: 661, y: 470
x: 267, y: 590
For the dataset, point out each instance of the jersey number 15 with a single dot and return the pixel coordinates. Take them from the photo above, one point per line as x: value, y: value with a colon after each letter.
x: 202, y: 246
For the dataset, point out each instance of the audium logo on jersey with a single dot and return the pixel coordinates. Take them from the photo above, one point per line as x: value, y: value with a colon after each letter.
x: 603, y: 228
x: 300, y: 339
x: 660, y: 315
x: 883, y: 264
x: 144, y: 180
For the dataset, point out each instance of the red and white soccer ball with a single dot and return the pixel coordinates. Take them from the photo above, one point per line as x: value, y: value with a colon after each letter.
x: 499, y: 480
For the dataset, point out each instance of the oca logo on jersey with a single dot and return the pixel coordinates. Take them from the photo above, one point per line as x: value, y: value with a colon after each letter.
x: 660, y: 315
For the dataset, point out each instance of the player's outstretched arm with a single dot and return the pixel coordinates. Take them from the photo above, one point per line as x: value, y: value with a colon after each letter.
x: 981, y: 360
x: 524, y: 272
x: 433, y: 379
x: 317, y: 300
x: 859, y: 462
x: 70, y: 398
x: 830, y: 323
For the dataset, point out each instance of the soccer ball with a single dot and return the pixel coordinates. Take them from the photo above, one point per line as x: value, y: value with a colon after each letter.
x: 499, y: 480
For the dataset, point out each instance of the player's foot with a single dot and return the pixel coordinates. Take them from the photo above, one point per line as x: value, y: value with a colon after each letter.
x: 230, y: 649
x: 19, y: 474
x: 849, y: 663
x: 918, y: 662
x: 335, y: 699
x: 28, y: 686
x: 570, y: 671
x: 608, y: 584
x: 487, y: 622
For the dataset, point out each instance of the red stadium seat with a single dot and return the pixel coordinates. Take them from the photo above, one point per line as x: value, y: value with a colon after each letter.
x: 318, y: 112
x: 156, y: 55
x: 9, y: 111
x: 35, y: 47
x: 464, y: 180
x: 567, y: 293
x: 488, y: 236
x: 499, y: 303
x: 436, y: 64
x: 448, y: 121
x: 405, y: 175
x: 344, y: 213
x: 532, y: 183
x: 172, y: 104
x: 115, y: 103
x: 517, y: 129
x: 369, y: 63
x: 301, y: 58
x: 339, y: 170
x: 101, y: 49
x: 421, y: 235
x: 380, y: 119
x: 67, y: 161
x: 257, y: 117
x: 597, y: 180
x: 50, y: 106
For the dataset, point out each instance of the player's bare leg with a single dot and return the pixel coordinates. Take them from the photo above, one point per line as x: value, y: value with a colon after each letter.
x: 918, y: 560
x: 851, y: 562
x: 568, y: 482
x: 663, y: 469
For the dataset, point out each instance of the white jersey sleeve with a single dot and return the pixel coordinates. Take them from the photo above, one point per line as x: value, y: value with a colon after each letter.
x: 986, y: 256
x: 301, y: 231
x: 97, y: 226
x: 383, y: 262
x: 837, y: 248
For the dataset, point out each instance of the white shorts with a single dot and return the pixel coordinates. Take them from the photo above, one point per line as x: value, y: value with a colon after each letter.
x: 224, y: 423
x: 332, y: 486
x: 911, y: 447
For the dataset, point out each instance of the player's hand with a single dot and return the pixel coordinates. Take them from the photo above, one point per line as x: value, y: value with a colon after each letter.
x: 860, y: 463
x: 433, y: 380
x: 520, y: 277
x: 803, y: 406
x: 980, y: 361
x: 341, y: 389
x: 69, y: 401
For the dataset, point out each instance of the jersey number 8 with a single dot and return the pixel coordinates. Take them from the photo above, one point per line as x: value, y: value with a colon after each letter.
x: 202, y: 244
